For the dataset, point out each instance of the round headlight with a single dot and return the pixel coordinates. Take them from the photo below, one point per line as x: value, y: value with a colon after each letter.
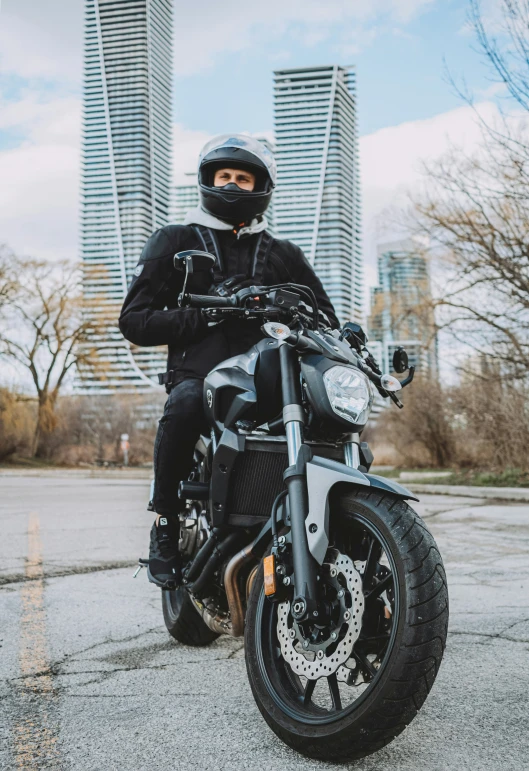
x: 349, y: 393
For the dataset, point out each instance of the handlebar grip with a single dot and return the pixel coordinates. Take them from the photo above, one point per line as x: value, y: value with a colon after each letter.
x: 210, y: 301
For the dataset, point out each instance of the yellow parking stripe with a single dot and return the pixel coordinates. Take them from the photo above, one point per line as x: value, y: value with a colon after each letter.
x: 35, y: 733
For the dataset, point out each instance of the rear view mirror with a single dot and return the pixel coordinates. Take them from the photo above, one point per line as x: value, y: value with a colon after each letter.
x: 400, y: 361
x: 356, y: 330
x: 193, y: 261
x: 355, y: 335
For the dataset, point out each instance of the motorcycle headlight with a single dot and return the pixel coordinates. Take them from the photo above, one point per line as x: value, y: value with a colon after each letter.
x: 349, y: 392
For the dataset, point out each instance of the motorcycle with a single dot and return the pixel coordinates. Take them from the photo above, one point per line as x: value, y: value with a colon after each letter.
x: 335, y: 582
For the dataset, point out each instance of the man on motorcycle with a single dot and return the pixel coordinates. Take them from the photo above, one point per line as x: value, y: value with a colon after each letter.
x: 236, y: 178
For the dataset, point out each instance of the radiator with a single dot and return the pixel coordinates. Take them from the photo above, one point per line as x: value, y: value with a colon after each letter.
x: 257, y: 478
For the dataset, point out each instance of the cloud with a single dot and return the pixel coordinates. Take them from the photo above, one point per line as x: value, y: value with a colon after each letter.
x: 391, y: 161
x: 236, y: 25
x: 36, y: 119
x: 42, y: 40
x: 187, y: 145
x: 39, y: 195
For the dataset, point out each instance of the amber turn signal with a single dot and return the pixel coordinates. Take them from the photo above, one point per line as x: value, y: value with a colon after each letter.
x: 269, y: 565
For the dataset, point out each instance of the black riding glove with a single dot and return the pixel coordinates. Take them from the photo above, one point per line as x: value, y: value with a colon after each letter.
x: 231, y: 285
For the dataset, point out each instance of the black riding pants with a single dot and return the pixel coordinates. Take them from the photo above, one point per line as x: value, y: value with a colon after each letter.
x: 181, y: 424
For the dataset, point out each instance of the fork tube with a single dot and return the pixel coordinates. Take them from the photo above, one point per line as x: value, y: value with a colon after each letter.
x: 351, y: 450
x: 293, y: 432
x: 292, y: 411
x: 304, y: 603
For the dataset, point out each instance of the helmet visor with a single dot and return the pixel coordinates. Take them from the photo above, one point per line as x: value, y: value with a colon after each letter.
x: 248, y: 145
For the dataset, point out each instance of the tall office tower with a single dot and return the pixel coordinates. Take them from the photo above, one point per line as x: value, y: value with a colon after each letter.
x: 270, y: 212
x: 185, y: 197
x: 125, y: 170
x: 401, y: 312
x: 317, y: 202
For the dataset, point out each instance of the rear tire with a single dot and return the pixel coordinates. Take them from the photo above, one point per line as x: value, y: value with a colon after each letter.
x: 183, y: 621
x: 411, y: 661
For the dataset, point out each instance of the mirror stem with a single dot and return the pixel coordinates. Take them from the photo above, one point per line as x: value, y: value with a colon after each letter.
x: 182, y: 293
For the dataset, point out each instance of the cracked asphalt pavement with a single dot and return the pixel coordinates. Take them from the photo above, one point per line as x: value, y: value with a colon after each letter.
x: 90, y: 679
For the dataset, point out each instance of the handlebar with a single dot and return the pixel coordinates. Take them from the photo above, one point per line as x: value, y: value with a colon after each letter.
x: 210, y: 301
x: 375, y: 378
x: 299, y: 341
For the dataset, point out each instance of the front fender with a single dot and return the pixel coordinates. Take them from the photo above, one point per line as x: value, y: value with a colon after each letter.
x: 322, y: 475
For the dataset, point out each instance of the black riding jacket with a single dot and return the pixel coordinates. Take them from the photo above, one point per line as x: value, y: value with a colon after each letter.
x: 151, y: 316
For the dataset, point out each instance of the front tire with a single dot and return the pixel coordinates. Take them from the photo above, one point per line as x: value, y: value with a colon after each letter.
x: 392, y: 686
x: 183, y: 621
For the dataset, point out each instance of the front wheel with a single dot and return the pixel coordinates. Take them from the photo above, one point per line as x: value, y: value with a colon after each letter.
x: 343, y: 689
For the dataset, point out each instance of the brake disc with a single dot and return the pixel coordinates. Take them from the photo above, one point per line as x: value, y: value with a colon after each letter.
x: 321, y: 659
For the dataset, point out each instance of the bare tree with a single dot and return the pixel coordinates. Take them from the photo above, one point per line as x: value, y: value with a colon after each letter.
x: 422, y: 432
x: 507, y: 50
x: 7, y: 277
x: 476, y: 215
x: 46, y: 330
x: 475, y: 212
x: 16, y: 424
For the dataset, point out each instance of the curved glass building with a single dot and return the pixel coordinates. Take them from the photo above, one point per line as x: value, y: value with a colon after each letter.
x: 126, y: 169
x: 317, y: 200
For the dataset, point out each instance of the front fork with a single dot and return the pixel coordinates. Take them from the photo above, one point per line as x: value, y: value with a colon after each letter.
x: 305, y: 603
x: 351, y: 450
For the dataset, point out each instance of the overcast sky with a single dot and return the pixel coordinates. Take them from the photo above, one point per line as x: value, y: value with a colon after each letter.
x: 225, y: 53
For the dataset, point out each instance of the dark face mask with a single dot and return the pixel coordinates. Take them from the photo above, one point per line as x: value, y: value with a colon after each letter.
x: 232, y: 187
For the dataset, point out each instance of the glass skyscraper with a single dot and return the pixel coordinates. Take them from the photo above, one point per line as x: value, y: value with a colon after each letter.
x: 401, y: 307
x: 185, y: 197
x: 317, y: 201
x: 126, y: 169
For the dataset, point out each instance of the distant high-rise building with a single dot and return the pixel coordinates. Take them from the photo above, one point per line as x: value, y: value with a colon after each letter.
x: 401, y: 312
x: 125, y: 168
x: 185, y: 198
x: 270, y: 212
x: 317, y: 202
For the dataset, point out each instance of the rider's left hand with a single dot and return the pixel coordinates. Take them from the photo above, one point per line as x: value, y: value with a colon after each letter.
x: 231, y: 285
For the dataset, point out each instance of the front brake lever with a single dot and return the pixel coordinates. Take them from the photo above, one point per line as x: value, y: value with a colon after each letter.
x: 395, y: 399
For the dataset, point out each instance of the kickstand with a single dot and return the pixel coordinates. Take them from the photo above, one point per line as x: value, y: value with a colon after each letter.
x: 141, y: 564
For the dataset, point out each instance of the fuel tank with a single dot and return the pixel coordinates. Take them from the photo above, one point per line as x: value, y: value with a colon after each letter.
x: 245, y: 387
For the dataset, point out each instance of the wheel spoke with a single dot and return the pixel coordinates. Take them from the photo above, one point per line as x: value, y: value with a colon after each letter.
x: 371, y: 637
x: 380, y: 588
x: 373, y: 556
x: 382, y: 651
x: 335, y: 692
x: 309, y: 690
x: 365, y: 664
x: 375, y: 639
x: 377, y: 644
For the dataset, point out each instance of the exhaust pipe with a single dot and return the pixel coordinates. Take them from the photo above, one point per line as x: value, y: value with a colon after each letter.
x: 250, y: 580
x: 234, y: 624
x: 218, y: 624
x: 233, y: 594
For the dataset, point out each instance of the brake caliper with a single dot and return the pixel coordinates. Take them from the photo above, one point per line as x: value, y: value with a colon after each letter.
x: 317, y: 648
